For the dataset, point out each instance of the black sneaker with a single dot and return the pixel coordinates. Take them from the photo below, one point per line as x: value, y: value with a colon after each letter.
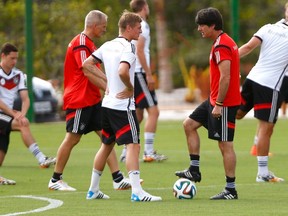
x: 225, y: 195
x: 193, y: 176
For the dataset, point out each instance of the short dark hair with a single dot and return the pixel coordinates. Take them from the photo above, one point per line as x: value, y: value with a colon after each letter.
x: 210, y: 16
x: 137, y: 5
x: 7, y: 48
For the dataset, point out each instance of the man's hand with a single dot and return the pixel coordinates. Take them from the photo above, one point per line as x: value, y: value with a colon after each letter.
x: 150, y: 82
x: 217, y: 111
x: 126, y: 93
x: 20, y: 117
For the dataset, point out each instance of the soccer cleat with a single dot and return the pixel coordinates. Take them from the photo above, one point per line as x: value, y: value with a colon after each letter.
x: 47, y: 162
x: 154, y: 157
x: 144, y: 197
x: 99, y: 195
x: 60, y: 185
x: 5, y: 181
x: 193, y: 176
x: 253, y: 151
x: 225, y: 195
x: 124, y: 184
x: 269, y: 178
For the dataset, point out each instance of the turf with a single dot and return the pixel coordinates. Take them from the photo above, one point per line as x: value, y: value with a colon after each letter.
x: 254, y: 198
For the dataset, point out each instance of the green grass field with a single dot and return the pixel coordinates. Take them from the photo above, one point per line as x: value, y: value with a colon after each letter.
x: 254, y: 198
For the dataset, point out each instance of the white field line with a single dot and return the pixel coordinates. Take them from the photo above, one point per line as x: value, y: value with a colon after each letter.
x: 53, y: 203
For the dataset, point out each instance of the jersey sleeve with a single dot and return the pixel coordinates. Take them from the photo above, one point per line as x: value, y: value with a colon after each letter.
x: 22, y: 82
x: 145, y: 30
x: 262, y: 32
x: 128, y: 54
x: 222, y: 53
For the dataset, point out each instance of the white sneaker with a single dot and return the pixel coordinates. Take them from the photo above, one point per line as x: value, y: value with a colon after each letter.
x: 5, y: 181
x: 97, y: 195
x: 154, y: 157
x: 269, y: 178
x: 124, y: 184
x: 60, y: 185
x: 144, y: 197
x: 48, y: 162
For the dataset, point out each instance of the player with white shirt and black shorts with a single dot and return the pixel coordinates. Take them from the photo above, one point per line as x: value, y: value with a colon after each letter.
x: 119, y: 119
x: 12, y: 83
x: 82, y: 102
x: 144, y: 88
x: 261, y: 89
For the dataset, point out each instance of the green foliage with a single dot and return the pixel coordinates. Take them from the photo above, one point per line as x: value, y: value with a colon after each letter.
x: 55, y: 23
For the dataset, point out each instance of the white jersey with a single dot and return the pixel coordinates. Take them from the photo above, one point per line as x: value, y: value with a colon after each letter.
x: 146, y: 34
x: 112, y: 53
x: 10, y: 85
x: 273, y: 58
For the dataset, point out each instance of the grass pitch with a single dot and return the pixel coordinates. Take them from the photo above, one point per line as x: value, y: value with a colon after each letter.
x: 254, y: 198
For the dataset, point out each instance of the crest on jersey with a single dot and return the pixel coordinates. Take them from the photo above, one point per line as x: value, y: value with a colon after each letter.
x: 2, y: 81
x: 16, y: 80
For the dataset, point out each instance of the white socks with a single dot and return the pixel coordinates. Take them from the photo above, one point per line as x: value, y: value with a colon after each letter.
x: 149, y: 143
x: 263, y: 165
x: 34, y: 149
x: 95, y: 180
x: 134, y: 177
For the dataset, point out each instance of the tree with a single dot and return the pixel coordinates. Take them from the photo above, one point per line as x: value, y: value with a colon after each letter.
x: 164, y: 67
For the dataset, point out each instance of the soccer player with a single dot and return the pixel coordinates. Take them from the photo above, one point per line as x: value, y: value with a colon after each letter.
x: 12, y: 82
x: 217, y: 113
x: 82, y: 101
x: 283, y: 91
x: 261, y: 89
x: 119, y: 120
x: 144, y: 87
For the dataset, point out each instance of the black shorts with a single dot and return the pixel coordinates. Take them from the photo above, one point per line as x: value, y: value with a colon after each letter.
x: 221, y: 129
x: 284, y: 89
x: 265, y: 101
x: 143, y: 97
x: 85, y: 120
x: 120, y: 126
x: 5, y: 130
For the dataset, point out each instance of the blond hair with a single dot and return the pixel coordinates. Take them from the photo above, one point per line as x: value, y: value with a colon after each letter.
x: 128, y: 18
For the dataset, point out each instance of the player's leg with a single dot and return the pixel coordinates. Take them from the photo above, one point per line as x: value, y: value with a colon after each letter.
x: 120, y: 182
x: 198, y: 118
x: 229, y: 162
x: 4, y: 144
x: 225, y: 127
x: 99, y: 164
x: 132, y: 165
x: 31, y: 144
x: 127, y: 122
x: 193, y: 143
x: 75, y: 120
x: 263, y: 146
x: 63, y: 154
x: 267, y: 116
x: 150, y: 127
x: 2, y: 156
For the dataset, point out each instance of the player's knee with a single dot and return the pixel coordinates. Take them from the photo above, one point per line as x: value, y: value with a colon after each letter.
x: 187, y: 124
x: 240, y: 114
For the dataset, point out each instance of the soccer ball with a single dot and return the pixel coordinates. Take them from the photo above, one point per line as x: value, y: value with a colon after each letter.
x: 184, y: 189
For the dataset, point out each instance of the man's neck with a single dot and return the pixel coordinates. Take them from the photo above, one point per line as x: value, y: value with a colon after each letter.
x: 5, y: 69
